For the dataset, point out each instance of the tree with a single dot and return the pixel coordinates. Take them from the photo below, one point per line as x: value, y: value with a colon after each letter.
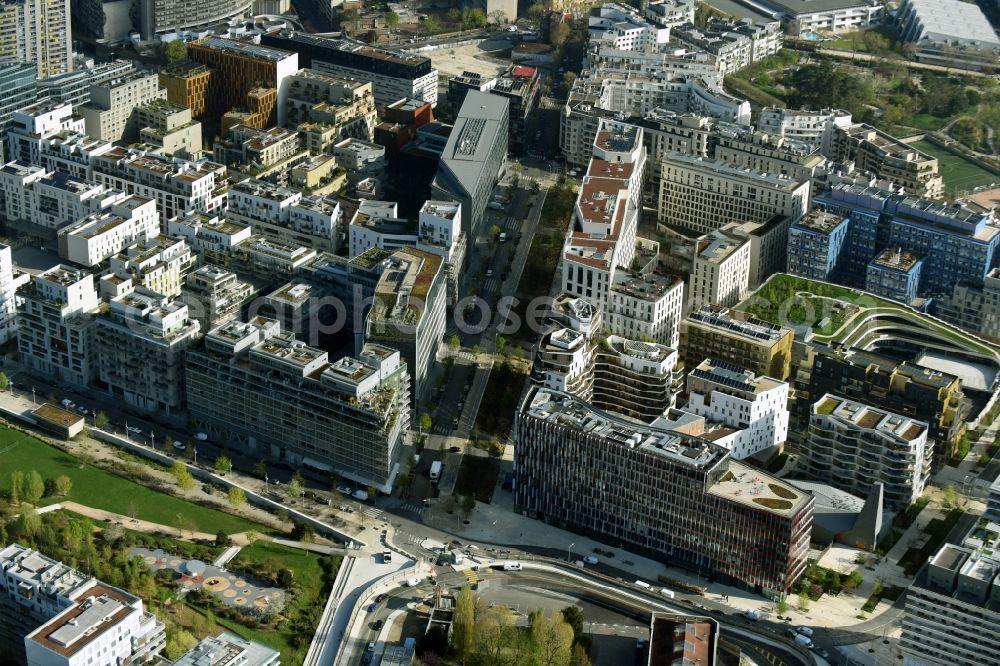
x: 391, y: 19
x: 4, y: 381
x: 558, y: 35
x: 537, y: 11
x: 802, y: 603
x: 468, y: 505
x: 569, y: 78
x: 501, y: 343
x: 294, y: 489
x: 495, y: 634
x: 175, y: 50
x: 574, y: 618
x: 260, y: 468
x: 781, y: 607
x: 182, y: 476
x: 579, y: 656
x: 551, y: 637
x: 133, y: 509
x: 222, y: 539
x: 854, y: 580
x: 302, y: 532
x: 178, y: 642
x: 454, y: 342
x: 430, y: 26
x: 251, y: 536
x: 498, y: 16
x: 463, y: 624
x: 112, y: 533
x: 34, y: 487
x: 223, y: 464
x: 950, y: 496
x: 494, y: 232
x: 236, y: 497
x: 475, y: 349
x: 63, y: 485
x: 16, y: 487
x: 425, y: 421
x: 286, y: 578
x: 101, y: 420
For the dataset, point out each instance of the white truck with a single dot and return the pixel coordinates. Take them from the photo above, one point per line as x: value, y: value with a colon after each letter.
x: 435, y: 470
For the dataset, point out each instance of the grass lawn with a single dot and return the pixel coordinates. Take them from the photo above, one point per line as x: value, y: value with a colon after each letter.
x: 928, y: 122
x: 501, y: 394
x: 959, y: 174
x: 478, y: 476
x: 310, y: 595
x: 938, y: 530
x: 100, y: 489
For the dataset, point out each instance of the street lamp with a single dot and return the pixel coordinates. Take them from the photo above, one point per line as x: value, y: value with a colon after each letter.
x: 152, y: 440
x: 568, y: 549
x: 32, y: 395
x: 194, y: 450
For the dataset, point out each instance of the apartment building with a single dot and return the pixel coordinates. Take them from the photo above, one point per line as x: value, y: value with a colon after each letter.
x: 10, y: 281
x: 734, y: 44
x: 161, y: 16
x: 98, y: 236
x: 264, y: 390
x: 762, y: 152
x: 948, y: 32
x: 40, y: 203
x: 32, y: 123
x: 801, y: 16
x: 187, y: 84
x: 39, y: 32
x: 720, y: 270
x: 394, y: 75
x: 242, y: 71
x: 158, y: 263
x: 55, y: 322
x: 345, y: 104
x: 214, y: 296
x: 602, y: 238
x: 900, y: 387
x: 895, y: 273
x: 18, y: 89
x: 624, y: 29
x: 71, y: 153
x: 993, y: 501
x: 408, y: 312
x: 228, y: 649
x: 958, y: 242
x: 625, y: 376
x: 737, y: 338
x: 670, y: 13
x: 362, y: 159
x: 175, y: 184
x: 73, y: 87
x: 169, y: 126
x: 887, y: 158
x: 754, y: 405
x: 110, y: 114
x: 141, y: 343
x: 54, y: 614
x: 815, y: 245
x: 814, y: 128
x: 659, y: 493
x: 704, y: 194
x: 975, y: 308
x: 263, y: 154
x: 951, y: 606
x: 267, y: 259
x: 646, y: 307
x: 212, y: 238
x: 855, y: 446
x: 285, y: 215
x: 521, y: 87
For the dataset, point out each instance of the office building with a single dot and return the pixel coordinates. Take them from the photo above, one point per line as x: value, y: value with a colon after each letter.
x: 284, y: 215
x: 887, y: 158
x: 720, y: 270
x: 214, y: 296
x: 801, y: 16
x: 171, y: 127
x: 737, y: 194
x: 957, y: 242
x: 261, y: 388
x: 400, y: 122
x: 658, y: 492
x: 17, y: 90
x: 346, y: 105
x: 815, y: 244
x: 737, y: 338
x: 393, y: 75
x: 159, y: 264
x: 765, y: 153
x: 635, y: 379
x: 975, y: 308
x: 646, y: 307
x: 110, y: 114
x: 813, y: 128
x: 474, y: 158
x: 176, y: 185
x: 55, y: 322
x: 458, y: 86
x: 243, y: 72
x: 228, y: 649
x: 53, y: 614
x: 408, y: 313
x: 602, y: 237
x: 896, y: 386
x: 98, y: 236
x: 756, y: 406
x: 854, y: 446
x: 141, y: 343
x: 39, y: 32
x: 953, y: 31
x: 951, y: 607
x: 895, y: 273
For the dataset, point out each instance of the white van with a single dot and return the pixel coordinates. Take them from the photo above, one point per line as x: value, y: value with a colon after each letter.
x: 643, y: 584
x: 511, y: 566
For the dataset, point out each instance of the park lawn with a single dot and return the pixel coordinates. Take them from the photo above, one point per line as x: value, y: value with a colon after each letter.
x: 308, y: 573
x: 959, y: 174
x: 100, y: 489
x: 927, y: 122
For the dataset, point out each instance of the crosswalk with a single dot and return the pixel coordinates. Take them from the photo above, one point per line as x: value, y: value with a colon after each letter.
x: 411, y: 507
x: 491, y: 284
x: 413, y: 539
x: 472, y: 576
x: 372, y: 512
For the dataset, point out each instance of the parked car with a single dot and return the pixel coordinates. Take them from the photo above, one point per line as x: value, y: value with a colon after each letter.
x: 380, y: 598
x: 489, y: 272
x: 134, y: 430
x: 805, y: 631
x: 821, y: 652
x: 82, y: 410
x: 367, y: 657
x: 201, y: 437
x: 377, y: 625
x: 590, y: 559
x: 370, y: 608
x: 180, y: 446
x: 371, y: 647
x: 345, y: 489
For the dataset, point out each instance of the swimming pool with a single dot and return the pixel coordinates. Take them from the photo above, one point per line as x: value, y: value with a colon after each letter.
x: 811, y: 36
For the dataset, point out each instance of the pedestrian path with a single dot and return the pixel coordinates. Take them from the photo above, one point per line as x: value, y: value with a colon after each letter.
x: 227, y: 555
